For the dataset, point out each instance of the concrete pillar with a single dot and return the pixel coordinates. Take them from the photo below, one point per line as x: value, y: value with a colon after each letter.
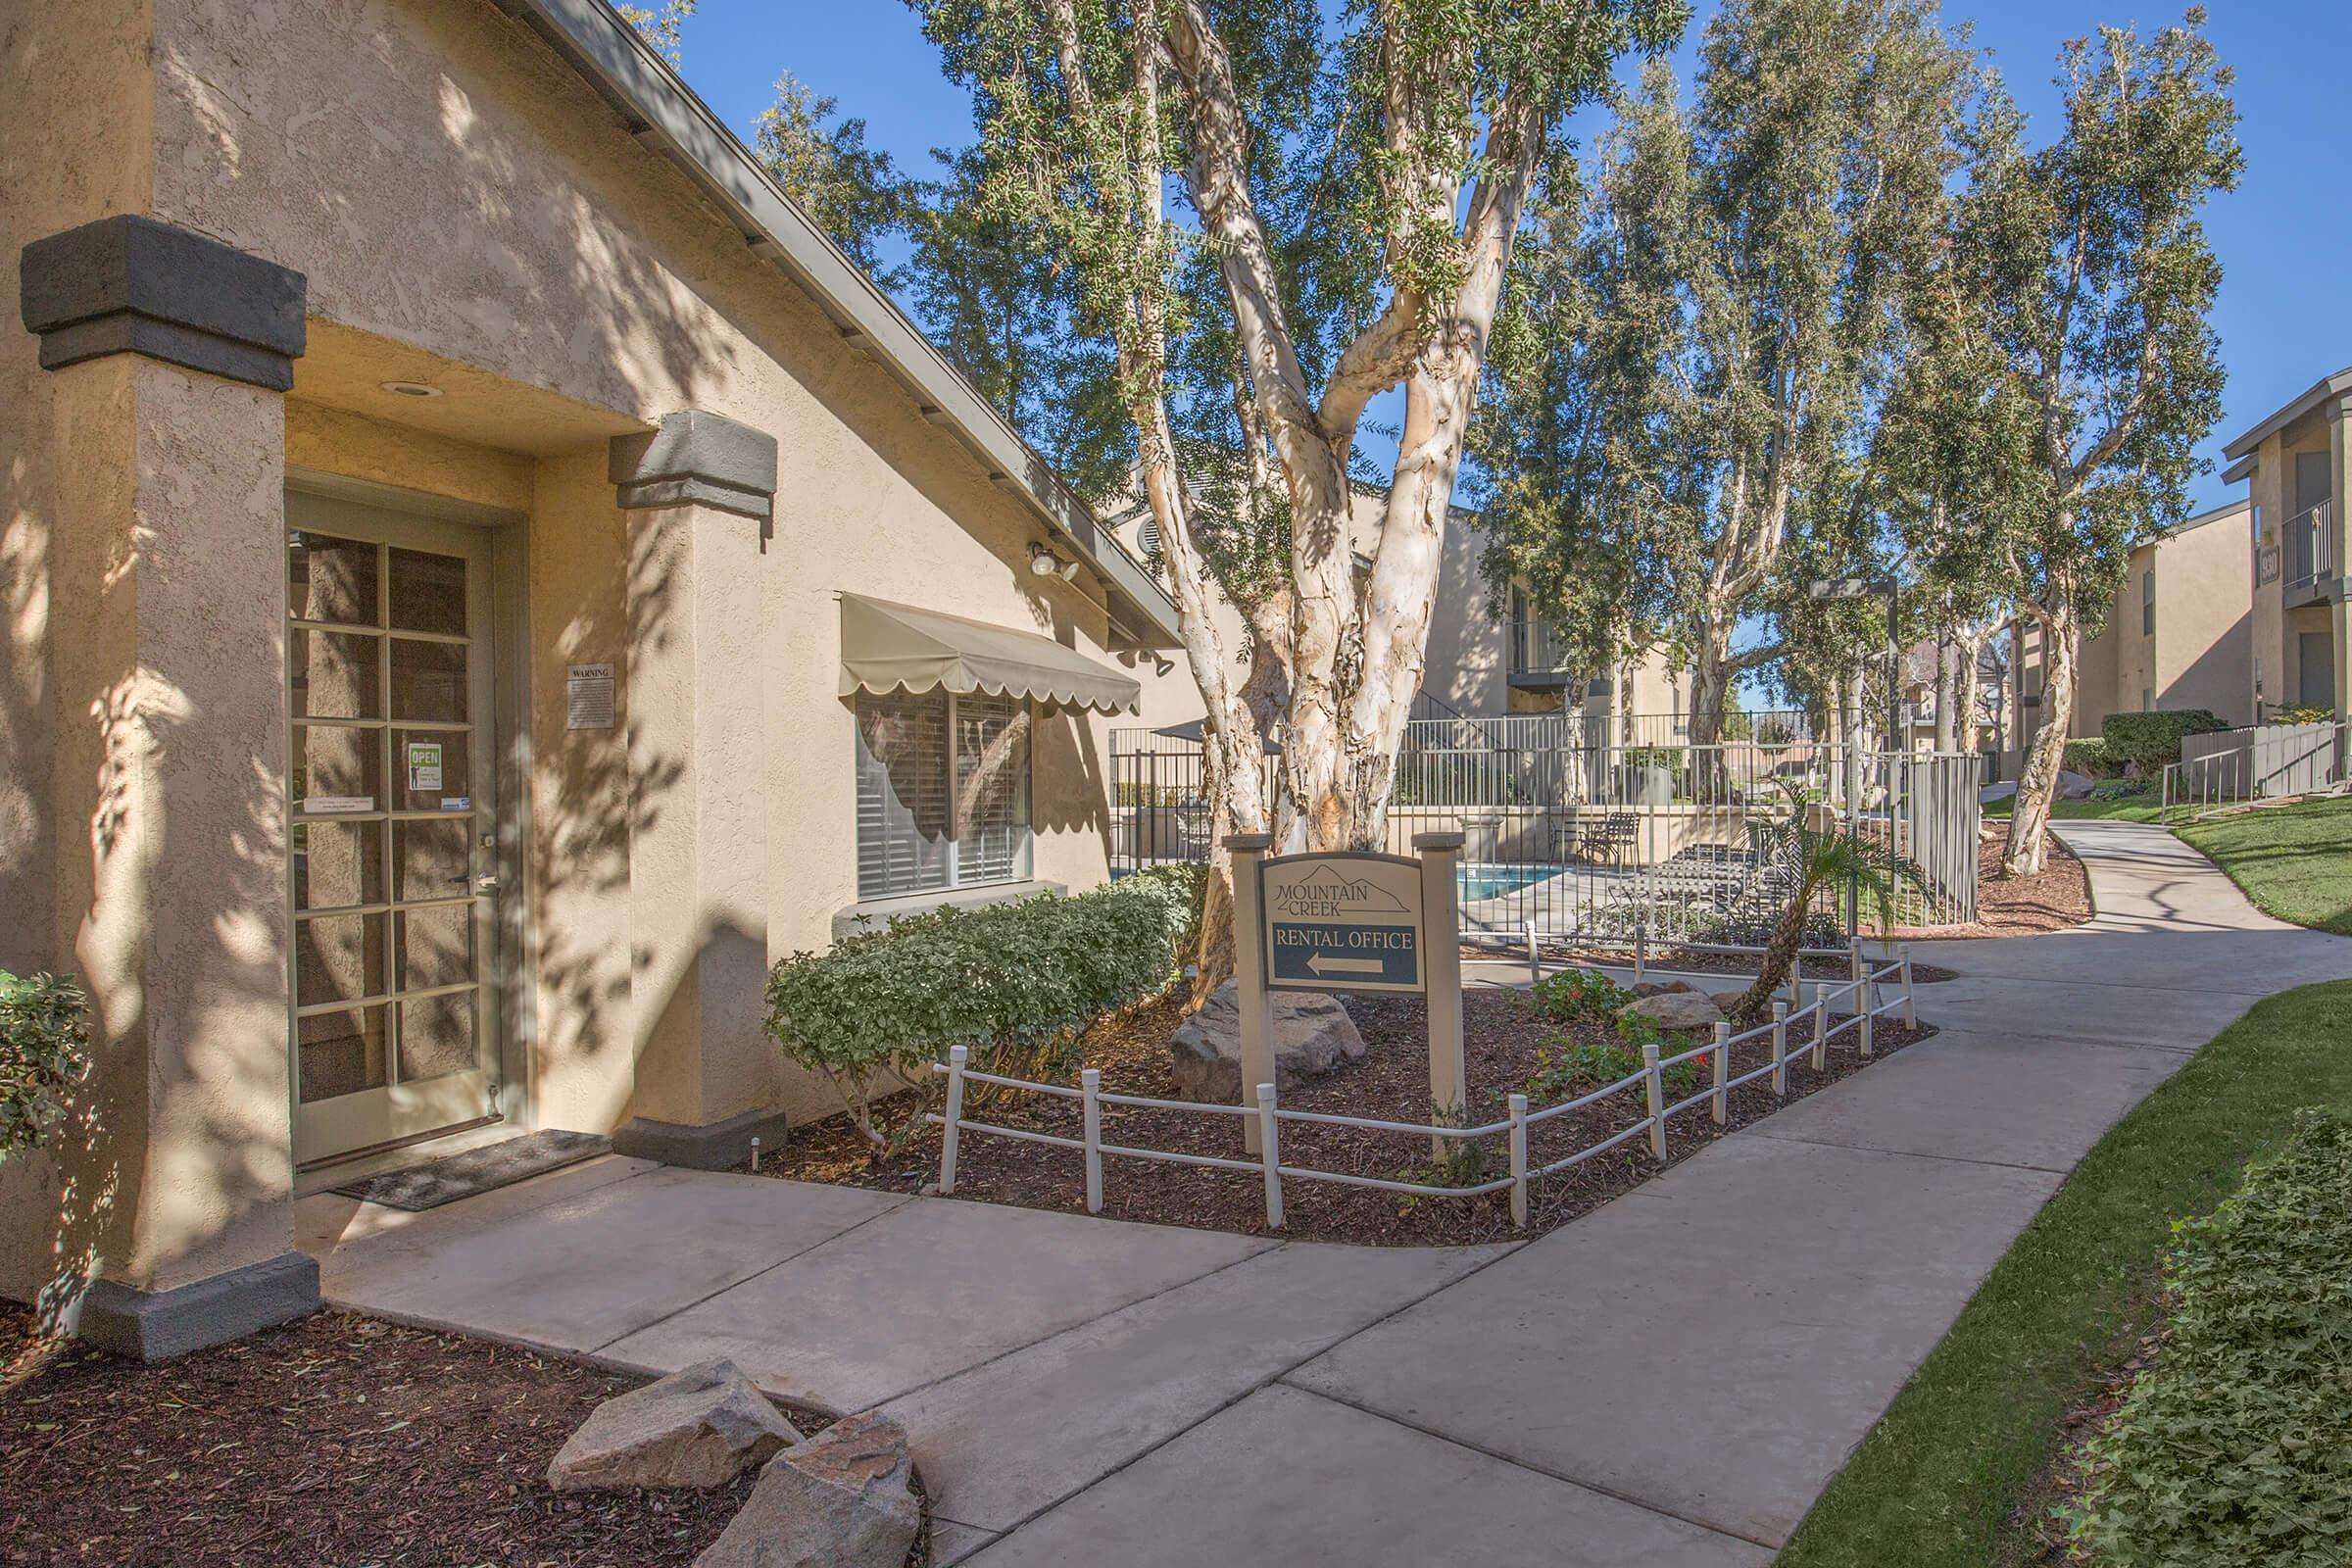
x: 699, y: 492
x: 172, y: 1192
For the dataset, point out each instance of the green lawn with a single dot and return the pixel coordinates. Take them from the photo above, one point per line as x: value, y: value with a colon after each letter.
x: 2294, y: 861
x: 1936, y: 1483
x: 2138, y: 809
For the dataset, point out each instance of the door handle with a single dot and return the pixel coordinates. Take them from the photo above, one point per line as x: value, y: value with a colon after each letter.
x: 486, y: 883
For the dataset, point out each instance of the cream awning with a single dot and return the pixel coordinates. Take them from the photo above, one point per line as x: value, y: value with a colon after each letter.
x: 886, y: 647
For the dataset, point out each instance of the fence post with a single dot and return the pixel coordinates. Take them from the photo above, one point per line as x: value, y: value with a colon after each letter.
x: 1721, y: 1059
x: 1090, y: 1086
x: 1780, y: 1049
x: 1820, y: 1026
x: 1910, y: 1003
x: 1534, y: 960
x: 1519, y: 1160
x: 1797, y: 969
x: 1653, y: 1087
x: 1855, y: 969
x: 1640, y: 950
x: 1249, y: 972
x: 957, y: 1055
x: 1270, y: 1139
x: 1870, y: 1015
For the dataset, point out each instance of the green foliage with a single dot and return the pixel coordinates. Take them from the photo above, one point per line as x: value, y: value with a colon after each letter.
x: 1669, y: 757
x: 1638, y: 1029
x: 1574, y: 994
x: 851, y: 190
x: 2149, y: 741
x: 660, y: 28
x: 1181, y: 890
x: 2091, y: 757
x: 1014, y: 982
x: 2301, y: 715
x: 44, y: 1051
x: 1566, y: 1068
x: 1651, y: 452
x: 2234, y: 1443
x: 1820, y: 930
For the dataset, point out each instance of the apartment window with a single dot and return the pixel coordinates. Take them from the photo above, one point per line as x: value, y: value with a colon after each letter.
x: 2147, y: 603
x: 943, y: 791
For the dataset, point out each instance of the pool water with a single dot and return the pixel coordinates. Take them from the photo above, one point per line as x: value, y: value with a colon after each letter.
x: 1497, y: 881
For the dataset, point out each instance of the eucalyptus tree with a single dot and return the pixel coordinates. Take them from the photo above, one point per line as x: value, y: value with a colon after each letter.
x: 2086, y: 278
x: 1744, y: 260
x: 853, y: 191
x: 1354, y: 184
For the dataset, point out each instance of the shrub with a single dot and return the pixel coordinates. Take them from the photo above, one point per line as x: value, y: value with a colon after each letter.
x: 1821, y: 929
x: 2091, y: 757
x: 2149, y: 741
x: 1574, y: 994
x: 2301, y: 715
x: 1669, y: 757
x: 1015, y: 982
x: 1179, y: 888
x: 2234, y: 1442
x: 44, y: 1051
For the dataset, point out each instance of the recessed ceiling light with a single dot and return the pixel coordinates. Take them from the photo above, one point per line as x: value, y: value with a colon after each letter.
x: 411, y: 389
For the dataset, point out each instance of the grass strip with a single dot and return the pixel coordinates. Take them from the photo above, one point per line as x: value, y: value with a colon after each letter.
x: 2294, y: 861
x: 1936, y: 1483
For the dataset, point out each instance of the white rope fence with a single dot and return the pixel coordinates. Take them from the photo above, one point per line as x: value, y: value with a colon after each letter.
x: 1867, y: 993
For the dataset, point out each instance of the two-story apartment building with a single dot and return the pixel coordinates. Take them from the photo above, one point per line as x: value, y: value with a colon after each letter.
x: 2179, y: 633
x: 2298, y: 472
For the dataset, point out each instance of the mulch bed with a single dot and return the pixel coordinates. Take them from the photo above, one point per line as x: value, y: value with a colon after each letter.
x: 2053, y: 899
x: 333, y: 1442
x: 1503, y: 1035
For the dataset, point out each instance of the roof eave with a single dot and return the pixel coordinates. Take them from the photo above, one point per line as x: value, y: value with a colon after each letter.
x: 664, y: 114
x: 2338, y: 385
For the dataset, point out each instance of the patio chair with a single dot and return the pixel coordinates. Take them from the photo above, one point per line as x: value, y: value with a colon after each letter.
x: 1609, y: 839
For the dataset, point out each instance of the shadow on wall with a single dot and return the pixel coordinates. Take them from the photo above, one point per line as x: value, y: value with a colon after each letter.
x: 209, y: 1119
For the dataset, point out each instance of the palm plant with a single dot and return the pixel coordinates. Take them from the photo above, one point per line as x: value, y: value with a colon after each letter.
x: 1818, y: 857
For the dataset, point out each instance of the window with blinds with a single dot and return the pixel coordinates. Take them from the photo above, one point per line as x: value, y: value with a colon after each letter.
x: 943, y: 791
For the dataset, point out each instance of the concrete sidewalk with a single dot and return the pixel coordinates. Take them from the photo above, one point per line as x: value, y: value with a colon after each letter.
x: 1670, y: 1380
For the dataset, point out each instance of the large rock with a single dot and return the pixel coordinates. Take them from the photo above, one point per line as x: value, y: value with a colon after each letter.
x: 700, y: 1427
x: 1677, y: 1013
x: 1312, y: 1035
x: 842, y: 1500
x: 2073, y: 786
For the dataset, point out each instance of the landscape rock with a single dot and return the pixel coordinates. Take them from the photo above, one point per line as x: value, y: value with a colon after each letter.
x: 1659, y: 988
x: 1312, y: 1035
x: 1677, y: 1011
x: 702, y: 1426
x: 842, y: 1500
x: 2073, y: 786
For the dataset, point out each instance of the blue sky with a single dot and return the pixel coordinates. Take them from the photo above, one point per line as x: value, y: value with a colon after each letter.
x: 2284, y: 318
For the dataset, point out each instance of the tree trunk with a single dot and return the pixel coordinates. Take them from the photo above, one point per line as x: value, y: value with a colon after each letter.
x: 1780, y: 956
x: 2037, y: 780
x: 1947, y: 693
x: 1969, y: 694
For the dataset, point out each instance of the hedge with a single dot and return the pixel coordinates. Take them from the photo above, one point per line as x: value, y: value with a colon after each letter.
x: 2091, y: 757
x: 1014, y: 982
x: 2234, y: 1442
x: 44, y: 1051
x: 2149, y: 741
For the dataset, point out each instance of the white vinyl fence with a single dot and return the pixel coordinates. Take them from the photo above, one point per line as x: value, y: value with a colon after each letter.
x: 1865, y: 996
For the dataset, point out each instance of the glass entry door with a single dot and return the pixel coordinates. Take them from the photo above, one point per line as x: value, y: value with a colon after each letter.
x: 393, y: 826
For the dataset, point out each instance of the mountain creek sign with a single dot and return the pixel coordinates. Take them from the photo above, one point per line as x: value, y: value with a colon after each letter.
x: 1346, y: 921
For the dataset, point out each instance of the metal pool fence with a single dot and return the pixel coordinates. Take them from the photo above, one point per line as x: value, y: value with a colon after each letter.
x: 1579, y: 838
x: 1868, y: 995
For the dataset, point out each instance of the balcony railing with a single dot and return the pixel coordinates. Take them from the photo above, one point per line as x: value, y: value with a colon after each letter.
x: 2311, y: 546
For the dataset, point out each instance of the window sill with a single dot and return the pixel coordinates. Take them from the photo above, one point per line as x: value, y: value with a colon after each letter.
x: 872, y: 914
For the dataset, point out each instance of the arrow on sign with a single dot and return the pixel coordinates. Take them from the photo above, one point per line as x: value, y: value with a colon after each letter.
x: 1319, y: 964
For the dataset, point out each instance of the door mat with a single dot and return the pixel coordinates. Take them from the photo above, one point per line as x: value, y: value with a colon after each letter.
x: 477, y: 1170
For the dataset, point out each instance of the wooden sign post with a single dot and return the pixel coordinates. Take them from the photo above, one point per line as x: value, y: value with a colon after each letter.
x: 1442, y: 924
x: 1249, y: 977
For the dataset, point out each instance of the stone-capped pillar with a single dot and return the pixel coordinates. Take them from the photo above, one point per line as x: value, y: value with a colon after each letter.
x: 699, y: 491
x: 172, y: 1190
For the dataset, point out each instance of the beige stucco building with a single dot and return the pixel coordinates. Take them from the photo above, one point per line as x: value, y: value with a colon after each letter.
x: 482, y: 578
x: 2298, y: 471
x: 2179, y: 634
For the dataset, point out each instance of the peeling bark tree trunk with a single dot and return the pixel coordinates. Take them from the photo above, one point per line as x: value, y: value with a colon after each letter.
x: 1947, y: 692
x: 2037, y: 780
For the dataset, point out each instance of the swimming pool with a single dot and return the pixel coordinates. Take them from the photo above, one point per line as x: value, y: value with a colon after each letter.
x: 1480, y: 882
